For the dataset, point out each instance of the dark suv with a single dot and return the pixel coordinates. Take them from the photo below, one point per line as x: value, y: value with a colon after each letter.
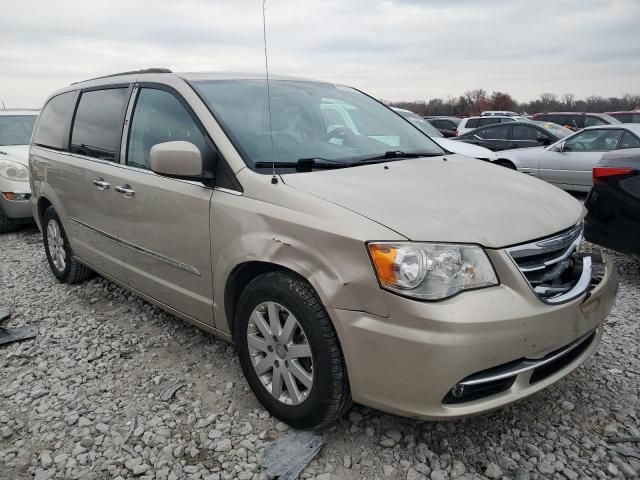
x: 575, y: 120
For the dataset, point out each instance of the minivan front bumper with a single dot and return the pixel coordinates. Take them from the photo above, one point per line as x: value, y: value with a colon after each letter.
x: 413, y: 362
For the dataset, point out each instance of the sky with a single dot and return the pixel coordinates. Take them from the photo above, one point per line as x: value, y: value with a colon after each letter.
x: 395, y: 50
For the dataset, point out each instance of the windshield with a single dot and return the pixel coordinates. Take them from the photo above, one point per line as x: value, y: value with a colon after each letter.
x: 419, y: 122
x: 16, y: 129
x: 555, y: 129
x: 308, y: 120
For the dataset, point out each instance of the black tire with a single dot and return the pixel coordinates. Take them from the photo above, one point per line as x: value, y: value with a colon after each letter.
x: 329, y: 397
x: 506, y: 164
x: 74, y: 271
x: 6, y: 224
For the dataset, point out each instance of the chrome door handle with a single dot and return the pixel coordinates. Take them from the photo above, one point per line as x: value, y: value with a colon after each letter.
x: 101, y: 184
x: 125, y: 190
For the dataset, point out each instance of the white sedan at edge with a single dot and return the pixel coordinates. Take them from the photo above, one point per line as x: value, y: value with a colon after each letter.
x: 462, y: 148
x: 569, y: 163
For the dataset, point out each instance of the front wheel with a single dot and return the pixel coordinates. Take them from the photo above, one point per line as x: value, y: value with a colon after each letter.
x: 59, y: 254
x: 289, y: 351
x: 506, y: 164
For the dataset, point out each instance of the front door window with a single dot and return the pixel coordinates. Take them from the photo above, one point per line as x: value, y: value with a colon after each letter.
x: 594, y: 141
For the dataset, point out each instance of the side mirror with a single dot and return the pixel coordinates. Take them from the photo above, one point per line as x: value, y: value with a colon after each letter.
x: 176, y: 159
x: 546, y: 141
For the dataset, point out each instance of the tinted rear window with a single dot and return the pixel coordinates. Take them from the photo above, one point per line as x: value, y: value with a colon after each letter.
x: 98, y: 123
x: 472, y: 123
x: 52, y: 127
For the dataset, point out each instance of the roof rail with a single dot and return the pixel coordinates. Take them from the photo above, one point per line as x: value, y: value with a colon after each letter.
x: 130, y: 72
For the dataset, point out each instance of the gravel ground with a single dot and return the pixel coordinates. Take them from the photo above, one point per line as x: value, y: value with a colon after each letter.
x: 82, y: 399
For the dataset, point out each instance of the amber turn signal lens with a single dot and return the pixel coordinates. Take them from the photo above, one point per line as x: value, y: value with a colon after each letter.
x: 384, y: 257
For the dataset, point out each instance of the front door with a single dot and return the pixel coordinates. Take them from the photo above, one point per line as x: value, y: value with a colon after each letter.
x: 573, y: 165
x: 164, y: 223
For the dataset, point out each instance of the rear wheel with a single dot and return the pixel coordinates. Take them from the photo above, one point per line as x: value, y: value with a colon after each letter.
x: 289, y: 351
x: 59, y: 254
x: 506, y: 164
x: 6, y: 224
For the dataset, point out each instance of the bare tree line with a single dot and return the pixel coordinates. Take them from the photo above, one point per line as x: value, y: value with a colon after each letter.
x: 472, y: 102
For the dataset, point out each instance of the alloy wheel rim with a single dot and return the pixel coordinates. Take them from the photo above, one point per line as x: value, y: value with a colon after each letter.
x: 280, y: 353
x: 56, y: 245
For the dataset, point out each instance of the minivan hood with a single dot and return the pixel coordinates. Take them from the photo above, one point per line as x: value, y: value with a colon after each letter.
x: 466, y: 149
x: 447, y: 199
x: 17, y: 153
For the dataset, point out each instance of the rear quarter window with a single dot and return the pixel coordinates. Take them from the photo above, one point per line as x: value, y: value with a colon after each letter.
x: 52, y: 129
x: 472, y: 123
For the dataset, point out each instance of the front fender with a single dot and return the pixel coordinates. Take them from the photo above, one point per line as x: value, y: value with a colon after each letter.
x: 307, y: 242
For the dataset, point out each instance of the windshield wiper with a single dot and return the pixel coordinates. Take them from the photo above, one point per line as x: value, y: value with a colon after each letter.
x: 305, y: 164
x: 397, y: 155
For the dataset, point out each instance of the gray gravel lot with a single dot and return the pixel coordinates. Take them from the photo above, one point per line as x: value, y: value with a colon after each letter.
x: 82, y: 399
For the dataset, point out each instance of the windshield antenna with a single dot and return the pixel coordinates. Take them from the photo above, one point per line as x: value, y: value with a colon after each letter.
x: 274, y: 179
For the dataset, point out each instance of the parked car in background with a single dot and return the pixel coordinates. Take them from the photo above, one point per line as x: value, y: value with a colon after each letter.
x: 452, y: 146
x: 471, y: 123
x: 16, y: 127
x: 569, y: 162
x: 447, y: 126
x: 501, y: 113
x: 510, y: 135
x: 632, y: 116
x: 575, y: 120
x: 613, y: 203
x: 365, y: 266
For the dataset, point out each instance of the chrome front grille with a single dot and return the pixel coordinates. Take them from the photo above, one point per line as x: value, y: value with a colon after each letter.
x: 554, y: 270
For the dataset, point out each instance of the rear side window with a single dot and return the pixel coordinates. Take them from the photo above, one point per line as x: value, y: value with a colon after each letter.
x: 524, y: 132
x: 97, y: 127
x: 497, y: 133
x: 488, y: 121
x: 53, y: 124
x: 472, y: 123
x: 626, y: 117
x: 623, y: 117
x: 629, y: 140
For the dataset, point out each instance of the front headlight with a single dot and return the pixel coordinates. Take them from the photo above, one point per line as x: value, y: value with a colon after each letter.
x: 13, y: 171
x: 431, y: 271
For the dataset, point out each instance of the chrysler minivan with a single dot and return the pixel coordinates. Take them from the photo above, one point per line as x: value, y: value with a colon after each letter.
x: 364, y: 265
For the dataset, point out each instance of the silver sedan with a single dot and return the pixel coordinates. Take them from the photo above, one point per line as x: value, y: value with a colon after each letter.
x: 569, y: 162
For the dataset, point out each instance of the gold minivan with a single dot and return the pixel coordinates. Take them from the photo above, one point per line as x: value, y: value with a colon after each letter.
x: 347, y: 255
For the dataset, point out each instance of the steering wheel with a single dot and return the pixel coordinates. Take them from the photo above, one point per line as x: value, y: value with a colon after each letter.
x: 579, y: 146
x: 341, y: 132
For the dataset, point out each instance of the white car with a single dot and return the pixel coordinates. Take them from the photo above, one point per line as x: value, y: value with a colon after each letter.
x: 16, y: 127
x: 453, y: 146
x: 503, y: 113
x: 569, y: 163
x: 471, y: 123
